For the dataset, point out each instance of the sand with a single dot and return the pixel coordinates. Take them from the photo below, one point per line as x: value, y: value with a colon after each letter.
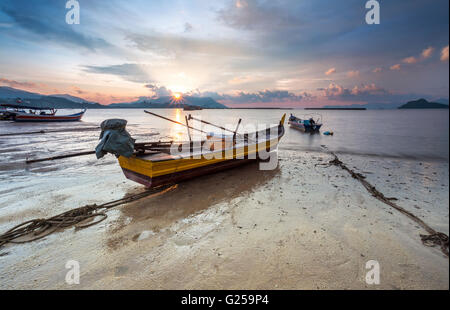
x: 300, y: 226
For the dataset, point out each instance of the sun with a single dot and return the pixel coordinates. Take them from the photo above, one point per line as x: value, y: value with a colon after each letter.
x: 177, y: 96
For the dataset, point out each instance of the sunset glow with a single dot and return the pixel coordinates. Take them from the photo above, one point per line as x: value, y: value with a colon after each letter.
x: 238, y: 52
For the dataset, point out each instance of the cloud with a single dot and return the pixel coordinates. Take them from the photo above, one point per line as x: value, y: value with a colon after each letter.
x: 43, y: 27
x: 352, y: 74
x: 108, y: 98
x: 330, y: 71
x: 258, y: 16
x: 240, y: 97
x: 357, y: 93
x: 444, y: 54
x: 13, y: 83
x: 410, y: 60
x: 159, y: 91
x: 369, y: 93
x: 170, y: 45
x: 77, y: 90
x: 395, y: 67
x: 241, y: 4
x: 265, y: 96
x: 426, y: 53
x: 240, y: 80
x: 377, y: 70
x: 249, y: 80
x: 128, y: 71
x: 5, y: 25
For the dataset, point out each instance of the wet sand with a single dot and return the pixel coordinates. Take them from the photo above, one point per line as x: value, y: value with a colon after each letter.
x: 300, y: 226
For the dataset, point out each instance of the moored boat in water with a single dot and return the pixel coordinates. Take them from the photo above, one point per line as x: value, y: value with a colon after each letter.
x: 18, y: 113
x: 8, y: 111
x: 191, y: 107
x: 305, y: 125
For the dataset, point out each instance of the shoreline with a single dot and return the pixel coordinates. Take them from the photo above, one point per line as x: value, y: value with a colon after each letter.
x: 297, y: 227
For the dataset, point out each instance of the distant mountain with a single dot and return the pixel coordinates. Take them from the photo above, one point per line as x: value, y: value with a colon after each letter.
x: 71, y: 98
x: 423, y: 104
x: 167, y: 102
x: 143, y: 104
x: 10, y: 93
x: 441, y: 100
x: 54, y: 102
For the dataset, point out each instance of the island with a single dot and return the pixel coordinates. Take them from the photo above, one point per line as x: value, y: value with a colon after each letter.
x: 338, y: 109
x: 423, y: 104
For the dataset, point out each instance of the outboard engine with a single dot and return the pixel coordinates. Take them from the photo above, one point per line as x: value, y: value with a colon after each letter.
x: 115, y: 139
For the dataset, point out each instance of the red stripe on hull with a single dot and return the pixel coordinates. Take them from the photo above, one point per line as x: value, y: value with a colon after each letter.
x: 47, y: 118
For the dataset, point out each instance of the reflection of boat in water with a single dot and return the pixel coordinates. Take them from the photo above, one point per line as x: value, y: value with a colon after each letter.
x: 18, y: 113
x: 191, y: 107
x: 305, y: 125
x: 162, y: 163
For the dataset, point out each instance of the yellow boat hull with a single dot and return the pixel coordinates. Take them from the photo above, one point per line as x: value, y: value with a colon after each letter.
x: 153, y: 172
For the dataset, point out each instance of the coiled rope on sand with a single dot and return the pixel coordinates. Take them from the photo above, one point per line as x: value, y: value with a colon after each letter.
x: 39, y: 228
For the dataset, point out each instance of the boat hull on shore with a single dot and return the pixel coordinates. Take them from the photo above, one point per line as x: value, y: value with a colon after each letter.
x: 27, y: 117
x: 152, y: 170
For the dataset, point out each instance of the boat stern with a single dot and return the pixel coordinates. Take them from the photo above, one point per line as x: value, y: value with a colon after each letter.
x: 137, y: 170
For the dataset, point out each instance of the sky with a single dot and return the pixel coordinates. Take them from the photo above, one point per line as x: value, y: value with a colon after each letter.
x: 299, y: 53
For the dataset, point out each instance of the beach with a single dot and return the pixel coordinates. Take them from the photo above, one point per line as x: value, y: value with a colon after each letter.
x: 304, y: 225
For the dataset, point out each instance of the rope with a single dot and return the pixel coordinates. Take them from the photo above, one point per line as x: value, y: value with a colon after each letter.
x: 39, y: 228
x: 433, y: 239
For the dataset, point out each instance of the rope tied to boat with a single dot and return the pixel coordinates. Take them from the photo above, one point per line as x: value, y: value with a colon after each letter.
x: 39, y: 228
x: 433, y: 239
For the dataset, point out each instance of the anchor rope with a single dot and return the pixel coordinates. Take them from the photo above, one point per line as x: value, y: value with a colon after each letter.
x: 39, y: 228
x: 433, y: 238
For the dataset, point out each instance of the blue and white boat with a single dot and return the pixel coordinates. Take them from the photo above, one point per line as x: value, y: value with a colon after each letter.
x: 305, y: 125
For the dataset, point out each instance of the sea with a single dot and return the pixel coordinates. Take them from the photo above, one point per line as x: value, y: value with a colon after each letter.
x: 409, y: 135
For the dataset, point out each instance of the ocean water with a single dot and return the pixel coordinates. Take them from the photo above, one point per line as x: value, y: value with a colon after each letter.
x: 409, y: 134
x: 37, y: 189
x: 403, y: 153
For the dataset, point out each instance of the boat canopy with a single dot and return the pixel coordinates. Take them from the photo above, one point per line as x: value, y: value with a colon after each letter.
x: 18, y: 106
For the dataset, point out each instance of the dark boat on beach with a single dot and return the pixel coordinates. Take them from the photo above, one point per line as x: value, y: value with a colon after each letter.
x: 18, y: 113
x: 305, y: 125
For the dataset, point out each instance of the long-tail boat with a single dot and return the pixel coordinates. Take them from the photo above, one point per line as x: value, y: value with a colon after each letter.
x: 305, y: 125
x: 161, y: 163
x: 19, y: 113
